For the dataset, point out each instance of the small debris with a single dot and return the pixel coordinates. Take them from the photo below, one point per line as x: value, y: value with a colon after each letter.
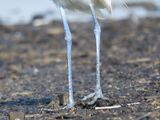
x: 55, y: 31
x: 25, y: 93
x: 59, y: 101
x: 116, y: 106
x: 139, y: 60
x: 16, y: 116
x: 149, y: 115
x: 32, y: 115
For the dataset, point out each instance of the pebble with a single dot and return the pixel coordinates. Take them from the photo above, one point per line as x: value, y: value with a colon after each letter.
x: 16, y: 116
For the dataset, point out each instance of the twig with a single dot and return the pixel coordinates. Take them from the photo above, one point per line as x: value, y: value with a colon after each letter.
x: 32, y: 115
x: 48, y: 110
x: 150, y: 114
x: 139, y: 60
x: 115, y: 106
x: 144, y: 116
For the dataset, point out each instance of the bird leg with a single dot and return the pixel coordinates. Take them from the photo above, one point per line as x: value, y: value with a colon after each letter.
x: 98, y: 91
x: 68, y: 38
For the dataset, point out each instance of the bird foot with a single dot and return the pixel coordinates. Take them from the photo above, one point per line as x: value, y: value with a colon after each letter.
x: 69, y: 106
x: 93, y: 97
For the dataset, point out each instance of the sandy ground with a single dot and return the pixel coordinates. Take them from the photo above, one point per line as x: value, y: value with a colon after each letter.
x: 33, y: 70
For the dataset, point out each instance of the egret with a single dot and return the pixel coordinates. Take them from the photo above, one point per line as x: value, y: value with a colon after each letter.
x: 85, y: 6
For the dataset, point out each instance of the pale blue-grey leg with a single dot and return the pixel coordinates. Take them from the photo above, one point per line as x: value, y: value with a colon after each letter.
x: 68, y: 38
x: 97, y: 31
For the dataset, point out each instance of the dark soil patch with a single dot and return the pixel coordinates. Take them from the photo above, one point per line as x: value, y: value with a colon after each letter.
x: 33, y: 69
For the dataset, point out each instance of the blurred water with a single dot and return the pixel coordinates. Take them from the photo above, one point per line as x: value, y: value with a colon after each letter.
x: 15, y: 11
x: 21, y: 11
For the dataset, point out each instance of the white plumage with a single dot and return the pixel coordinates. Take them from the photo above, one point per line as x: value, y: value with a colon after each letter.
x: 83, y: 5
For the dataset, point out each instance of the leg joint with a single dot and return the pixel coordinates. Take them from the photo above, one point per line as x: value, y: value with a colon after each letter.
x: 68, y: 36
x: 97, y: 28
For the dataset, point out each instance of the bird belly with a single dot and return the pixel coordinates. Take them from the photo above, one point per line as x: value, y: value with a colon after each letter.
x: 81, y: 5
